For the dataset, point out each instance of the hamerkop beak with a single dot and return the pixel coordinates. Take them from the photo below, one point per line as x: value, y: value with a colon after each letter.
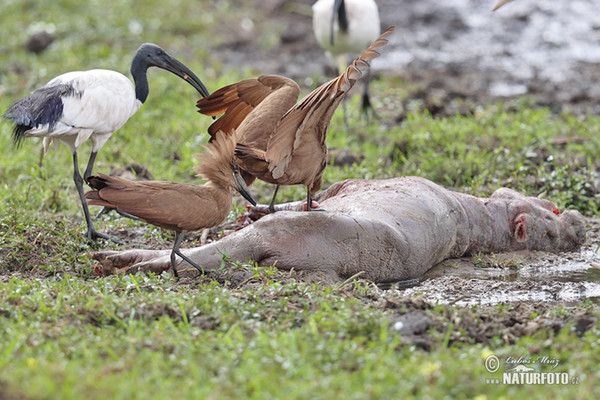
x: 241, y: 186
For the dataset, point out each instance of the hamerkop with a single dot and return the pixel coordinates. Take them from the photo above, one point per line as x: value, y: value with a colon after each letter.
x: 281, y: 141
x: 176, y: 206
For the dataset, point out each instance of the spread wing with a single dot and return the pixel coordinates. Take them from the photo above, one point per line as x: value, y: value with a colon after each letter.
x: 238, y: 100
x: 312, y: 115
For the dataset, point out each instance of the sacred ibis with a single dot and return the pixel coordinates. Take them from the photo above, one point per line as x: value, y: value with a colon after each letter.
x: 281, y: 141
x: 177, y: 206
x: 344, y: 27
x: 82, y: 105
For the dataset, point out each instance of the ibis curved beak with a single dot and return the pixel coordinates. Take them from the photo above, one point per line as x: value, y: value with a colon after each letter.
x: 500, y: 3
x: 241, y: 186
x: 179, y: 69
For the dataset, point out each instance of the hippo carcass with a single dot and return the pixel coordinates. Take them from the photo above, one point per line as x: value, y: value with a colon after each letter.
x: 391, y: 230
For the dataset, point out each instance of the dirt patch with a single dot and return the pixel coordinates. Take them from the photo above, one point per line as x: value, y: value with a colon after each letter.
x: 451, y: 56
x: 411, y: 316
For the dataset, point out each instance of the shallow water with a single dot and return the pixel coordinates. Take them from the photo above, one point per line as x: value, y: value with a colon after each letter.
x: 565, y: 278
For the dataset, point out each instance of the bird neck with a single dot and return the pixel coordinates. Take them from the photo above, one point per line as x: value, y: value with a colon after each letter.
x: 222, y: 195
x: 342, y: 17
x: 139, y: 68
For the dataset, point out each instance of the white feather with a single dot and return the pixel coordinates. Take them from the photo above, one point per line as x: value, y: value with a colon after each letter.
x: 106, y: 101
x: 363, y: 26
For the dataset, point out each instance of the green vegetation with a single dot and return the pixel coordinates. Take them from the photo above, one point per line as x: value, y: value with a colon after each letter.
x: 66, y: 334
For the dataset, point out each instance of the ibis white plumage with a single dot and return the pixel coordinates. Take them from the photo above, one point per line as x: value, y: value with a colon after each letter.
x: 91, y: 105
x: 344, y: 27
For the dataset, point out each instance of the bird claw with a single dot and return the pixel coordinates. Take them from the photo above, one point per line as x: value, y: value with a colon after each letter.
x: 314, y: 206
x: 93, y: 235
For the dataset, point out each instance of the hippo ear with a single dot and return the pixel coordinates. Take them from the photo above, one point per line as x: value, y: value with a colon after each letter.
x: 520, y: 232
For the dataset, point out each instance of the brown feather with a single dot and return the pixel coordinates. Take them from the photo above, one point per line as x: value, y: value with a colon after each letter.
x: 237, y: 101
x: 171, y: 205
x: 281, y: 141
x: 312, y: 115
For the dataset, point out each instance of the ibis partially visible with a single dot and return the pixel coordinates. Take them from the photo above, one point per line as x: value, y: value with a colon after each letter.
x: 346, y: 27
x: 500, y: 3
x: 91, y: 105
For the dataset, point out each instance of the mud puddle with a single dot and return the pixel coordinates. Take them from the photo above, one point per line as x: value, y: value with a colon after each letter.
x: 512, y: 277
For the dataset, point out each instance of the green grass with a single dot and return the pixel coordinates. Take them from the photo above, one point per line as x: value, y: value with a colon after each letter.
x: 66, y: 334
x: 131, y: 336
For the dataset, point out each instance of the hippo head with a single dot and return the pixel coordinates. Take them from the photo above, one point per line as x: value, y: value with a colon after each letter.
x: 537, y: 223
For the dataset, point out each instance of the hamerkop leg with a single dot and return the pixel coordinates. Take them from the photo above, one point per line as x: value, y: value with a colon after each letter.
x: 272, y: 204
x: 309, y: 202
x: 179, y: 236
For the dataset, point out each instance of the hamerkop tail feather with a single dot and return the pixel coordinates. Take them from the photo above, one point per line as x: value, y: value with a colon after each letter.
x: 312, y: 115
x: 281, y: 141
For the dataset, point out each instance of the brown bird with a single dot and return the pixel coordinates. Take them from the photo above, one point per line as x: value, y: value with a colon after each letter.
x: 176, y: 206
x: 281, y: 141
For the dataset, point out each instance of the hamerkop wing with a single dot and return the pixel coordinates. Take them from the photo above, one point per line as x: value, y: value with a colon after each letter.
x: 307, y: 122
x: 253, y: 108
x: 240, y: 99
x: 169, y: 205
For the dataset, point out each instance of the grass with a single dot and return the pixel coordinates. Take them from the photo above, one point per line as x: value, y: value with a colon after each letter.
x: 66, y: 334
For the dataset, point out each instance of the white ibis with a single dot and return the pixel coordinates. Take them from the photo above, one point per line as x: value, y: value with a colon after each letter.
x: 500, y: 3
x: 82, y: 105
x: 345, y: 27
x: 177, y: 206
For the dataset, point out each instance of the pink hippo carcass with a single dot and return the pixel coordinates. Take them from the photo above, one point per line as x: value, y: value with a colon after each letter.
x: 390, y: 230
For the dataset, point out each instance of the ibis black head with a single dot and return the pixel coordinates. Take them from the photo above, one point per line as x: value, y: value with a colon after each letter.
x: 151, y: 55
x: 339, y: 11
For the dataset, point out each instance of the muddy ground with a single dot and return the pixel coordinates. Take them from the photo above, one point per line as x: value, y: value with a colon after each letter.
x: 452, y: 51
x: 454, y: 55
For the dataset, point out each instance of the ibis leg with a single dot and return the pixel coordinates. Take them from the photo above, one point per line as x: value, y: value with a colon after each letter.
x: 272, y: 204
x: 178, y: 239
x: 366, y: 106
x: 342, y: 64
x: 88, y: 173
x: 92, y: 233
x: 90, y: 166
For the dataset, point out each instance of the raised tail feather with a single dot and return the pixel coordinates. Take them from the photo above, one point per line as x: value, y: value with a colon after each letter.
x: 360, y: 65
